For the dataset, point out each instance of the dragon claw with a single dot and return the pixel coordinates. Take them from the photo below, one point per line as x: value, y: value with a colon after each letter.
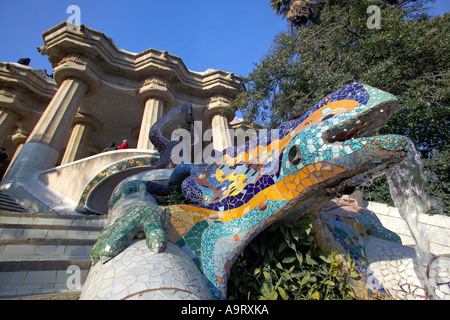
x: 143, y: 218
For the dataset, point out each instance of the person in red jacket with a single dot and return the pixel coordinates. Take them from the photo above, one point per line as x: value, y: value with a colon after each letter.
x: 124, y: 145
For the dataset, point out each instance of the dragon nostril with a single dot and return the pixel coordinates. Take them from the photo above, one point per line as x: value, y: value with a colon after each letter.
x: 295, y: 155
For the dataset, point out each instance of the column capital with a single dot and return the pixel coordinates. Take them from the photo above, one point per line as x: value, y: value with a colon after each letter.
x: 81, y: 118
x: 19, y: 137
x: 219, y: 105
x: 155, y: 87
x: 78, y: 66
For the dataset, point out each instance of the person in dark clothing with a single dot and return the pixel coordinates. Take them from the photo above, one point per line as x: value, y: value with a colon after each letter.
x: 24, y: 61
x: 48, y: 75
x: 111, y: 147
x: 3, y: 155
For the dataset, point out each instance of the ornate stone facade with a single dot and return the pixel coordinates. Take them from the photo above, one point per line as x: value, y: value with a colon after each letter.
x: 99, y: 94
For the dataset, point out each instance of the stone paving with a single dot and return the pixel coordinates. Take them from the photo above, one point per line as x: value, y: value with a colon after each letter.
x: 42, y: 253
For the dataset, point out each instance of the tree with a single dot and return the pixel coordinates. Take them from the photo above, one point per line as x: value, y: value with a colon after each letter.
x: 407, y: 57
x: 299, y: 12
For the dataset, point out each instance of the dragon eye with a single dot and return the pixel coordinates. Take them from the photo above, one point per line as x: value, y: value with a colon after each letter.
x: 295, y: 156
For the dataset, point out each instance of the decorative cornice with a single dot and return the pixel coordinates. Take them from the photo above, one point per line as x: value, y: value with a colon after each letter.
x: 19, y: 101
x: 7, y: 92
x: 19, y: 137
x: 156, y: 80
x: 220, y: 99
x: 14, y: 75
x: 156, y: 87
x: 219, y: 105
x: 78, y: 66
x: 78, y: 58
x: 116, y: 64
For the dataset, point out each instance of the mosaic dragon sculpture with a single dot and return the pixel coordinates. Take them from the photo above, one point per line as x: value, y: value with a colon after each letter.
x: 282, y: 174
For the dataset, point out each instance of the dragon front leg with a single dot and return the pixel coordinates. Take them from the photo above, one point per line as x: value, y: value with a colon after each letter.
x: 140, y: 216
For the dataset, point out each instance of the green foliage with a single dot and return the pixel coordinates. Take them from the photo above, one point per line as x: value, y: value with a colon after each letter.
x: 283, y: 263
x: 407, y: 57
x: 378, y: 191
x: 438, y: 169
x: 174, y: 197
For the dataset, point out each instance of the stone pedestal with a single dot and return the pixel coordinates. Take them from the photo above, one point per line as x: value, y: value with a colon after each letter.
x: 169, y: 275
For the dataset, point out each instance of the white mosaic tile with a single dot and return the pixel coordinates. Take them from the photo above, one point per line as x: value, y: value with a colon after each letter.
x: 124, y: 277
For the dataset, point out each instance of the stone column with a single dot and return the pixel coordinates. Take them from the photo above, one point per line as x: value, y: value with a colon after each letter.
x: 221, y: 136
x: 55, y: 122
x: 220, y: 114
x: 76, y: 78
x: 8, y: 119
x: 40, y: 152
x: 154, y: 95
x: 76, y: 148
x: 153, y: 111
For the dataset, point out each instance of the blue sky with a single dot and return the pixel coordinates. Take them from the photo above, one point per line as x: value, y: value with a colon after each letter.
x: 229, y: 35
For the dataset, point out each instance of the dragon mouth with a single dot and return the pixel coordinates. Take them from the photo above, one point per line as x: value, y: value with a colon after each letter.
x: 379, y: 150
x: 365, y: 124
x: 370, y: 154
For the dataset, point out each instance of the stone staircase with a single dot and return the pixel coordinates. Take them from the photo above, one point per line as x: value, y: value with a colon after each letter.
x: 45, y: 253
x: 8, y: 204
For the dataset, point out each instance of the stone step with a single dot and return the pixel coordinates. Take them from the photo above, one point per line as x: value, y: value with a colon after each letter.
x: 45, y: 265
x: 4, y: 207
x: 42, y: 277
x: 45, y: 254
x: 7, y: 203
x: 19, y: 227
x: 44, y: 232
x: 42, y: 242
x: 70, y: 295
x: 20, y: 252
x: 51, y: 219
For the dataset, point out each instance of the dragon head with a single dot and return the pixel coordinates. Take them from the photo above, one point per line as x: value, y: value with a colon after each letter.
x: 333, y: 147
